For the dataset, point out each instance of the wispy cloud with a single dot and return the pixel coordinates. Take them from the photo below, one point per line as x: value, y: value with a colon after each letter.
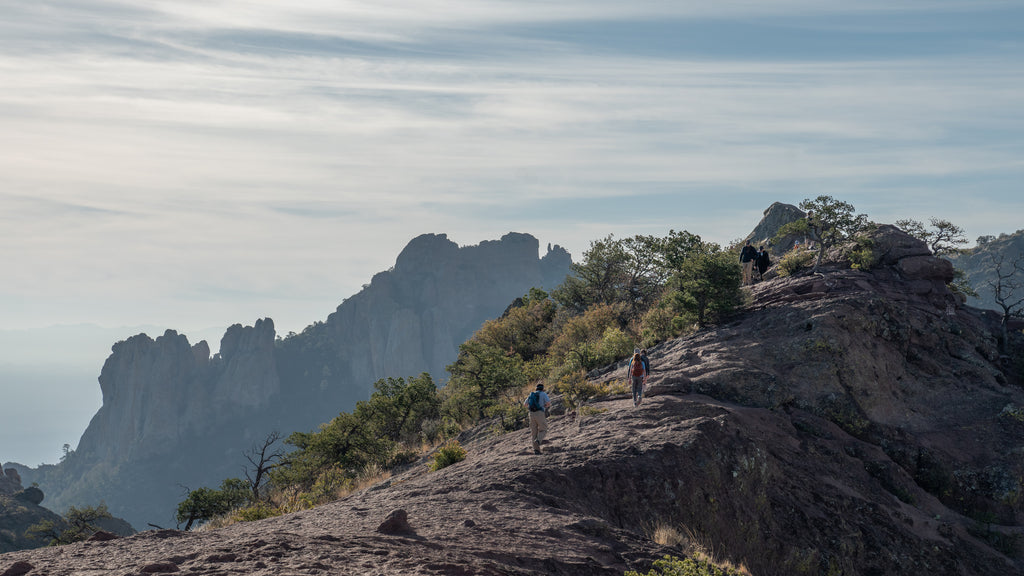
x: 293, y: 149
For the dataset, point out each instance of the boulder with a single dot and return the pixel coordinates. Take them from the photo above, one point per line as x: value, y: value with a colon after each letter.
x: 31, y: 494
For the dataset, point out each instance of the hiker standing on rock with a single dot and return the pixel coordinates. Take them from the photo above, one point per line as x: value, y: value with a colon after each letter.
x: 764, y: 261
x: 537, y: 403
x: 637, y: 371
x: 747, y: 257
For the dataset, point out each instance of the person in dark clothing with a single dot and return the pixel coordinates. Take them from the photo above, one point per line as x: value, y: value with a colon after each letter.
x: 747, y: 257
x: 764, y: 261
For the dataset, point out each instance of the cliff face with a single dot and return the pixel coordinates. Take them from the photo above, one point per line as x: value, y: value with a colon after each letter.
x: 158, y: 392
x: 175, y: 418
x: 414, y: 317
x: 411, y: 319
x: 775, y: 217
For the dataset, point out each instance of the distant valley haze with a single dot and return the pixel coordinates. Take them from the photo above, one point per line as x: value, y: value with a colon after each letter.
x: 193, y: 165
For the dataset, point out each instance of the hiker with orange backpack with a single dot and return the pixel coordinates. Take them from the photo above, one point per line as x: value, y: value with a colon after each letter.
x: 637, y: 371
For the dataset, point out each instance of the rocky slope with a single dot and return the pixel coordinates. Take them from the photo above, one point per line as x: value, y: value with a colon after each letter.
x: 174, y: 418
x: 20, y: 510
x: 851, y: 422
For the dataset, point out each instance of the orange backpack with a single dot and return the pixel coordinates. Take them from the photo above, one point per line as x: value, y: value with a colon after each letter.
x: 638, y: 366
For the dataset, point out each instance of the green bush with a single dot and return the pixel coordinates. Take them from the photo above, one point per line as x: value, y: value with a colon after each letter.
x: 795, y: 261
x: 614, y: 344
x: 447, y: 455
x: 204, y: 503
x: 326, y: 488
x: 257, y: 511
x: 76, y: 526
x: 672, y: 566
x: 863, y: 256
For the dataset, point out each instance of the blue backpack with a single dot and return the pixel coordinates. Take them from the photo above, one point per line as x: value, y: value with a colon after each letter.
x: 533, y: 402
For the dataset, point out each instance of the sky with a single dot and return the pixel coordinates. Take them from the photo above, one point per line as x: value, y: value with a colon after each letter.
x: 198, y: 163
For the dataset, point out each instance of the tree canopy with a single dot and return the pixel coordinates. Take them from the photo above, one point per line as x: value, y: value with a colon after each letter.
x: 828, y: 222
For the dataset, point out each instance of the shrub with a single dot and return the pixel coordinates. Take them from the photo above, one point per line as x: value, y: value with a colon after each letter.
x: 672, y: 566
x: 257, y: 511
x: 614, y: 344
x: 77, y: 525
x: 447, y: 455
x: 795, y: 261
x: 203, y: 504
x: 657, y: 325
x: 327, y: 487
x: 862, y: 255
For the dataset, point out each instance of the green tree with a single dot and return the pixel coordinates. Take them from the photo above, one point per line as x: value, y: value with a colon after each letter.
x: 943, y: 238
x: 204, y: 503
x: 829, y: 222
x: 678, y: 247
x: 398, y: 407
x: 479, y: 378
x: 369, y: 436
x: 631, y: 271
x: 708, y: 286
x: 525, y: 329
x: 599, y: 278
x: 579, y: 343
x: 347, y: 441
x: 78, y: 524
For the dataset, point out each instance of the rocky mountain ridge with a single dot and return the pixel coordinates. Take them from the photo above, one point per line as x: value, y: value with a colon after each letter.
x: 854, y: 422
x: 173, y: 417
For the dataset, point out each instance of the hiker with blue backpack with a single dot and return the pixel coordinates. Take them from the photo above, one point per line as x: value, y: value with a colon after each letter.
x: 637, y: 372
x: 537, y: 403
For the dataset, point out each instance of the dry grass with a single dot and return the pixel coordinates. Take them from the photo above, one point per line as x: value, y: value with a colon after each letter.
x: 695, y: 546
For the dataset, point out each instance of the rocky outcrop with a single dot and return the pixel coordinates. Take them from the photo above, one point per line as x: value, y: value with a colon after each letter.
x: 158, y: 392
x: 20, y: 510
x: 413, y: 318
x: 10, y: 481
x: 775, y: 217
x: 889, y: 358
